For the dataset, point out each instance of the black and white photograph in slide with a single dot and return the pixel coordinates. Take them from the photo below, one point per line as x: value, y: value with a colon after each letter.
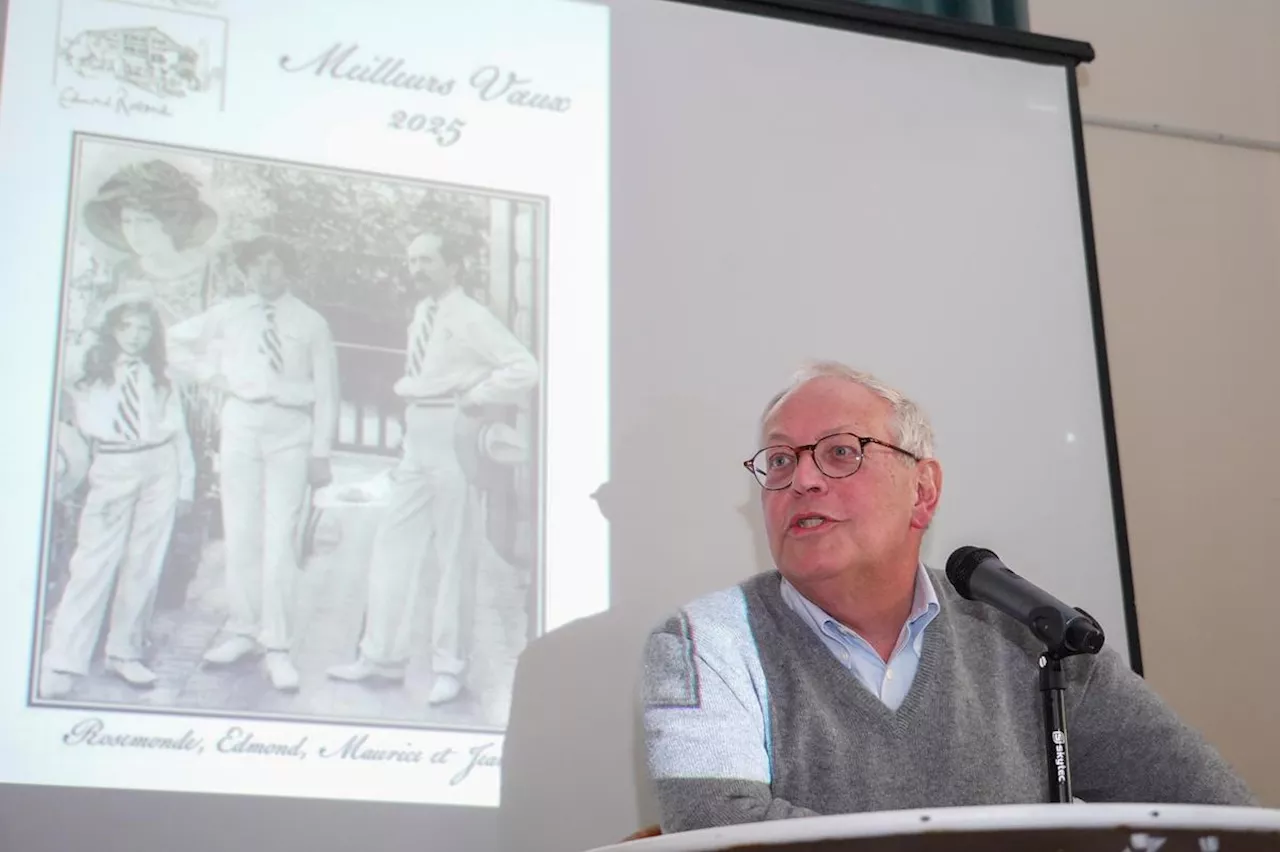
x: 295, y: 459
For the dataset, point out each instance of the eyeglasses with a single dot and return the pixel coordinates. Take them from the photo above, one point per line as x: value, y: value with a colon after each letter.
x: 837, y: 456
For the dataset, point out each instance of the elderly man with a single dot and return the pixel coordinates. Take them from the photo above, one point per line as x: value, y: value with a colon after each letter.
x: 273, y: 357
x: 854, y: 678
x: 460, y: 361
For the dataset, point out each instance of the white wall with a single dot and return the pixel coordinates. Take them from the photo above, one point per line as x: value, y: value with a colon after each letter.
x: 1188, y: 237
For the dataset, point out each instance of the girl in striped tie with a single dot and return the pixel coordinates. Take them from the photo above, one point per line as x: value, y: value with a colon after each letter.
x: 141, y: 476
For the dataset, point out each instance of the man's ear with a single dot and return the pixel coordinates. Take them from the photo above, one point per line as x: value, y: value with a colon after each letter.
x: 928, y: 492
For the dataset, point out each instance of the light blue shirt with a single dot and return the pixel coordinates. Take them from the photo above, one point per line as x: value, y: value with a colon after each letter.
x: 889, y: 681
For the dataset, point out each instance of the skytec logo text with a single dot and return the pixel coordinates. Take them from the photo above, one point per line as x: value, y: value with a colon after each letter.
x: 1060, y: 755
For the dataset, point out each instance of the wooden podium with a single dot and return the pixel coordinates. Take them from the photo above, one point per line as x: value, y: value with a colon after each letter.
x: 1004, y: 828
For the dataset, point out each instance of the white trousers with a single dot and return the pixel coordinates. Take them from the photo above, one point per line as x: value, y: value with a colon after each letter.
x: 425, y: 523
x: 122, y: 541
x: 264, y: 457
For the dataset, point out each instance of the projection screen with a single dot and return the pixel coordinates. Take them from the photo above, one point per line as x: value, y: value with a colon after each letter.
x: 378, y: 374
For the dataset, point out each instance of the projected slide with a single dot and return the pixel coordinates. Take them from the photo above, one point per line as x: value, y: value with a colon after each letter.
x: 323, y: 395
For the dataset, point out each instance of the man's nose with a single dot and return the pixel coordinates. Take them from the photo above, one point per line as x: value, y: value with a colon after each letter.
x: 808, y: 477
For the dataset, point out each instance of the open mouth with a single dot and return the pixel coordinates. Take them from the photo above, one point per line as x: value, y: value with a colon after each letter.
x: 809, y: 522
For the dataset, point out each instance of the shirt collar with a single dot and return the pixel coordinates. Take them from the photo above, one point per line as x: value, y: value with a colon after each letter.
x: 924, y: 607
x: 284, y: 298
x: 451, y: 296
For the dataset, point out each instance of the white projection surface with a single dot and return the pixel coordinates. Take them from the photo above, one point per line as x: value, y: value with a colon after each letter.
x: 332, y: 127
x: 664, y: 208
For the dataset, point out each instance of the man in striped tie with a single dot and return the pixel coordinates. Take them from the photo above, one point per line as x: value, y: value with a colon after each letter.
x: 273, y: 357
x: 460, y: 358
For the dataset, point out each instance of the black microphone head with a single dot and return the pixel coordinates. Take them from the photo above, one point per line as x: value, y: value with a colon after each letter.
x: 1085, y: 635
x: 961, y: 565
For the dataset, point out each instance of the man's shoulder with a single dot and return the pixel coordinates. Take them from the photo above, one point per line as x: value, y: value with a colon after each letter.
x: 462, y: 308
x: 711, y: 633
x: 728, y: 604
x: 720, y: 618
x: 309, y: 314
x: 988, y: 638
x: 232, y: 306
x: 975, y: 622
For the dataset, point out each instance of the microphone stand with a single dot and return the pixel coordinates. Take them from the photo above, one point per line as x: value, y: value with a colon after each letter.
x: 1053, y: 686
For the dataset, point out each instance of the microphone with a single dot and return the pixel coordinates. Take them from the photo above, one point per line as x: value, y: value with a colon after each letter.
x: 979, y: 575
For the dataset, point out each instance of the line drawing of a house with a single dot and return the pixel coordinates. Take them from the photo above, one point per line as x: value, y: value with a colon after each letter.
x: 145, y: 57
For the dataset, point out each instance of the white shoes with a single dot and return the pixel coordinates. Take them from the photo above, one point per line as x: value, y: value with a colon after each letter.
x: 444, y: 688
x: 231, y: 650
x: 365, y: 669
x: 132, y: 672
x: 283, y: 674
x: 280, y: 669
x: 55, y: 684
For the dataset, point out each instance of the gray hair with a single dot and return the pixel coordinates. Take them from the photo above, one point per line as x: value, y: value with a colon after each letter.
x: 910, y: 425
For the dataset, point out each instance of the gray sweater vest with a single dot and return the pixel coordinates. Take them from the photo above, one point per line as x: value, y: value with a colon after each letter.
x: 748, y: 716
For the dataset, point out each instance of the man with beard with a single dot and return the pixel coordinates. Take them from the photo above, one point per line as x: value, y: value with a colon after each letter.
x: 460, y: 359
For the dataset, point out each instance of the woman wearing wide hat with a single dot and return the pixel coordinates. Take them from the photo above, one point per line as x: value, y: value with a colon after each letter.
x: 153, y: 212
